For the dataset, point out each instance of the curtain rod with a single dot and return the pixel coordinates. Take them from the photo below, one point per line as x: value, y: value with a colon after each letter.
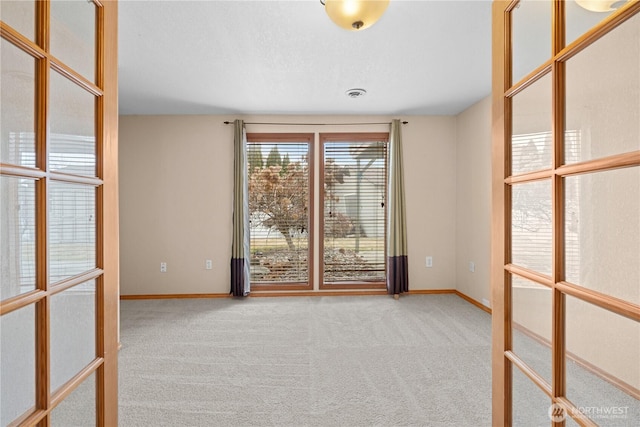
x: 313, y: 124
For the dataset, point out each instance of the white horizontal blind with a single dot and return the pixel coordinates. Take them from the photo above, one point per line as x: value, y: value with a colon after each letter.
x: 530, y: 152
x: 72, y: 229
x: 18, y: 232
x: 531, y: 231
x: 354, y: 211
x: 20, y: 149
x: 73, y: 154
x: 279, y: 211
x: 531, y: 202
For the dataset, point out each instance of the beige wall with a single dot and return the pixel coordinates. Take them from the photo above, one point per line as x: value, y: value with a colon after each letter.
x: 176, y: 194
x: 175, y: 204
x: 176, y: 174
x: 473, y: 201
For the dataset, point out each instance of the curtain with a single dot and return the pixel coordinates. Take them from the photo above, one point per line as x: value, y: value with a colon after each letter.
x: 240, y: 259
x: 397, y: 268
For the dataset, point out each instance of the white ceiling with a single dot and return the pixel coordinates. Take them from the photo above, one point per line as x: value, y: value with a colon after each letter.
x: 287, y: 57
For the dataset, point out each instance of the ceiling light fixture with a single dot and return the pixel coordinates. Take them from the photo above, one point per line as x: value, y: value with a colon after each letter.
x: 354, y: 15
x: 356, y: 93
x: 598, y: 5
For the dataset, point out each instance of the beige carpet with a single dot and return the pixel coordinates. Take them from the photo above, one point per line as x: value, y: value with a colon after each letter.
x: 315, y: 361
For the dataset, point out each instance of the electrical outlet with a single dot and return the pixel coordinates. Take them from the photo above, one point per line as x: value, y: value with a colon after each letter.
x: 429, y: 262
x: 163, y: 267
x: 472, y: 266
x: 208, y: 264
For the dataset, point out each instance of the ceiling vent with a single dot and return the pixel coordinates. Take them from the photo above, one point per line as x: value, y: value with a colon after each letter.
x: 356, y: 93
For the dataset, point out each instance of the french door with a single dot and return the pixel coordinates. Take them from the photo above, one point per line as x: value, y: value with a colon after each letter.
x: 353, y: 214
x: 348, y: 203
x: 280, y: 171
x: 566, y: 213
x: 58, y: 213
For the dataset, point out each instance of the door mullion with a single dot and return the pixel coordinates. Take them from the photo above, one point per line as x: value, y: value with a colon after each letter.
x: 43, y: 376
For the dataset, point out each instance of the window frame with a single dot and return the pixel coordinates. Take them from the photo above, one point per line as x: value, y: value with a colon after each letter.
x: 352, y: 137
x: 293, y: 138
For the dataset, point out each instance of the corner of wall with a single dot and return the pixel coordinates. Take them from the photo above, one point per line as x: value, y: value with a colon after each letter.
x: 473, y: 201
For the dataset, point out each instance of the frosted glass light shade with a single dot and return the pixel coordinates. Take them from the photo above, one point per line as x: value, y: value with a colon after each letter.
x: 354, y: 15
x: 597, y: 5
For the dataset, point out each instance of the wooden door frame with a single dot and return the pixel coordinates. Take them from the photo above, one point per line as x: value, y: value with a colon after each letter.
x: 327, y: 137
x: 500, y: 294
x: 293, y: 138
x: 503, y: 358
x: 109, y: 310
x: 106, y: 273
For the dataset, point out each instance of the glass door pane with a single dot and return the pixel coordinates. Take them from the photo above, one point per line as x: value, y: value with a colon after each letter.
x: 17, y: 363
x: 531, y: 226
x: 603, y: 359
x: 21, y: 15
x: 531, y: 406
x: 354, y: 213
x: 79, y: 408
x: 72, y: 230
x: 531, y: 128
x: 18, y: 233
x: 582, y: 15
x: 17, y: 105
x: 531, y: 310
x: 531, y: 36
x: 279, y: 209
x: 602, y: 232
x: 603, y: 96
x: 73, y: 332
x: 73, y: 128
x: 73, y: 35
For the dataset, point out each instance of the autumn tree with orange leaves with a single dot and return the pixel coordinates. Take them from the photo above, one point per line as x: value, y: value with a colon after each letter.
x: 279, y: 193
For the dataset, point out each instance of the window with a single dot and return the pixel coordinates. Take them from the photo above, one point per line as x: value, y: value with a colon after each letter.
x: 349, y: 200
x: 353, y: 217
x: 280, y: 188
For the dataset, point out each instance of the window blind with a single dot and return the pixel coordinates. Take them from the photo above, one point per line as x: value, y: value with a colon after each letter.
x: 530, y: 152
x: 17, y: 228
x: 354, y: 188
x: 72, y: 229
x: 279, y: 211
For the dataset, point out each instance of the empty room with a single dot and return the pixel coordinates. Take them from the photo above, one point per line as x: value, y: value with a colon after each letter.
x: 320, y: 213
